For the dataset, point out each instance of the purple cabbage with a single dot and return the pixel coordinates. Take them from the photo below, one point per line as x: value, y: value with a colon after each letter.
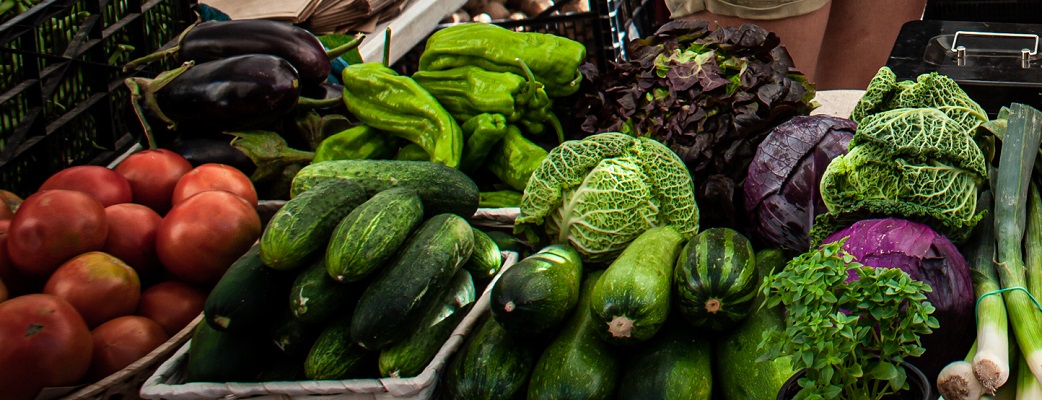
x: 929, y: 257
x: 781, y: 187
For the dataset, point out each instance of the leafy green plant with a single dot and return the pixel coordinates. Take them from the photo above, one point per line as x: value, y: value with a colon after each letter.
x: 849, y: 325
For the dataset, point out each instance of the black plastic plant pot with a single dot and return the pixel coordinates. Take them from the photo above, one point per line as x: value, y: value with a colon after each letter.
x: 918, y: 387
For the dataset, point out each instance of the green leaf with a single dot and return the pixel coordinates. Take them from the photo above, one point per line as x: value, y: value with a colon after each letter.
x: 883, y: 371
x: 269, y: 152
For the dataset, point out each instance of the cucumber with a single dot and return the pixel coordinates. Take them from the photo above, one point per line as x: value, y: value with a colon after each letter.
x: 294, y: 337
x: 443, y: 189
x: 393, y: 303
x: 486, y: 259
x: 411, y: 355
x: 632, y: 300
x: 739, y: 374
x: 243, y: 298
x: 577, y: 364
x: 492, y: 364
x: 317, y: 298
x: 508, y: 242
x: 334, y: 356
x: 676, y: 365
x: 217, y: 356
x: 538, y: 293
x: 303, y: 225
x: 716, y: 279
x: 365, y: 239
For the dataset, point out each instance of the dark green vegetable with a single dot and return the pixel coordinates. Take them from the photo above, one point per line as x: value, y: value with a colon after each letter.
x: 294, y: 337
x: 411, y: 355
x: 216, y: 356
x: 485, y: 261
x: 302, y: 227
x: 740, y: 375
x: 674, y: 366
x: 578, y: 364
x: 244, y: 297
x: 632, y: 299
x: 491, y: 364
x: 396, y: 104
x: 554, y: 60
x: 317, y: 298
x: 393, y: 303
x: 357, y: 143
x: 716, y: 279
x: 453, y: 192
x: 515, y: 158
x: 500, y: 199
x: 508, y: 242
x: 538, y: 293
x: 334, y: 356
x: 372, y: 233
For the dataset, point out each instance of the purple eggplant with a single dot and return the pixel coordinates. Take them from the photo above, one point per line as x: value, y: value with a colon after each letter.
x: 233, y: 93
x: 215, y: 40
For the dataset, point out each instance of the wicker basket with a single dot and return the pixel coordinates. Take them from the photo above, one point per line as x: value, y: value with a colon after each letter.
x: 168, y: 380
x: 126, y: 383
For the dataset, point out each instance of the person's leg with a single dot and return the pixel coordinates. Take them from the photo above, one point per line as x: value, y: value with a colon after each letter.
x: 859, y: 38
x: 801, y: 35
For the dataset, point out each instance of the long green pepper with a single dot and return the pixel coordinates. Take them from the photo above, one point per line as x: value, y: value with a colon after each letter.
x: 396, y: 104
x: 514, y: 159
x: 482, y: 133
x: 469, y: 90
x: 358, y: 143
x: 553, y: 59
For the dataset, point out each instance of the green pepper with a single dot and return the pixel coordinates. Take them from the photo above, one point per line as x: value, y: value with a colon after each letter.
x: 469, y: 90
x: 396, y: 104
x: 482, y: 132
x: 412, y: 152
x: 357, y: 143
x: 515, y: 158
x: 500, y: 199
x: 554, y: 59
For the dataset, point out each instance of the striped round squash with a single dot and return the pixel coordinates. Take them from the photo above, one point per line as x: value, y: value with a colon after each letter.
x: 715, y: 279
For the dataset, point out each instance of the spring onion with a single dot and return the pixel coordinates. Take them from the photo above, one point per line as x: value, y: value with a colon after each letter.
x: 1015, y: 164
x: 991, y: 361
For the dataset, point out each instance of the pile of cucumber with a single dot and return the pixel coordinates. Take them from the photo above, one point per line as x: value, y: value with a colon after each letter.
x: 671, y: 318
x: 364, y: 273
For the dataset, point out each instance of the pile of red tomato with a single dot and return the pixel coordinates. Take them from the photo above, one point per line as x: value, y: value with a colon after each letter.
x: 101, y: 266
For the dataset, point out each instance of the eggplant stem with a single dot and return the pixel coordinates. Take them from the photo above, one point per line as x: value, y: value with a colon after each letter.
x: 135, y: 84
x: 134, y: 64
x: 346, y: 47
x: 387, y: 47
x: 307, y: 103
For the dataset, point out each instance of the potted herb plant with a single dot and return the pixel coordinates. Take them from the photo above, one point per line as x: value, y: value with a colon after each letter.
x: 849, y: 328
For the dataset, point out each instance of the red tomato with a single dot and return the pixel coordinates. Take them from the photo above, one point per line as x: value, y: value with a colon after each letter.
x: 120, y: 342
x: 152, y: 175
x: 100, y: 286
x: 14, y: 280
x: 43, y: 342
x: 204, y: 234
x: 132, y: 237
x: 215, y: 177
x: 107, y: 186
x: 172, y: 304
x: 53, y: 226
x: 5, y: 213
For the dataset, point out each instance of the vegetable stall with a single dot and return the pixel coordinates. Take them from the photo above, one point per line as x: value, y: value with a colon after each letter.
x: 502, y: 214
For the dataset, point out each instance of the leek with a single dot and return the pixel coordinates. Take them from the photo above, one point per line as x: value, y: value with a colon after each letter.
x: 1027, y: 386
x: 991, y: 361
x: 1019, y: 148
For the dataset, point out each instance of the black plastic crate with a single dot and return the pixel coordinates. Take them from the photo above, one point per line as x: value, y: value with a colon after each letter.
x: 1012, y: 11
x: 605, y: 29
x: 62, y: 97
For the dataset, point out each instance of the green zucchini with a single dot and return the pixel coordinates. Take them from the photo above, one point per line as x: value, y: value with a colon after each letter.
x: 577, y: 364
x: 632, y: 300
x: 411, y: 355
x: 676, y: 365
x: 716, y: 279
x: 243, y: 298
x: 217, y: 356
x: 443, y: 189
x: 740, y: 375
x: 492, y: 364
x: 486, y: 259
x: 303, y: 225
x: 317, y: 298
x: 334, y: 356
x: 365, y: 239
x: 393, y: 303
x: 538, y: 293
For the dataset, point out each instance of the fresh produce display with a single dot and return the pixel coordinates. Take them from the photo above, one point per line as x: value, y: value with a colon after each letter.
x: 711, y: 95
x: 600, y: 193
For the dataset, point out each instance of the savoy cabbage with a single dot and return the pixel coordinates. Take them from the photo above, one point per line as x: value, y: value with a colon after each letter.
x: 599, y: 193
x: 930, y: 90
x: 916, y: 163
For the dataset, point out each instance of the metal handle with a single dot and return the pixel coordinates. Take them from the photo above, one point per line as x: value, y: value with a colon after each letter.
x: 960, y: 51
